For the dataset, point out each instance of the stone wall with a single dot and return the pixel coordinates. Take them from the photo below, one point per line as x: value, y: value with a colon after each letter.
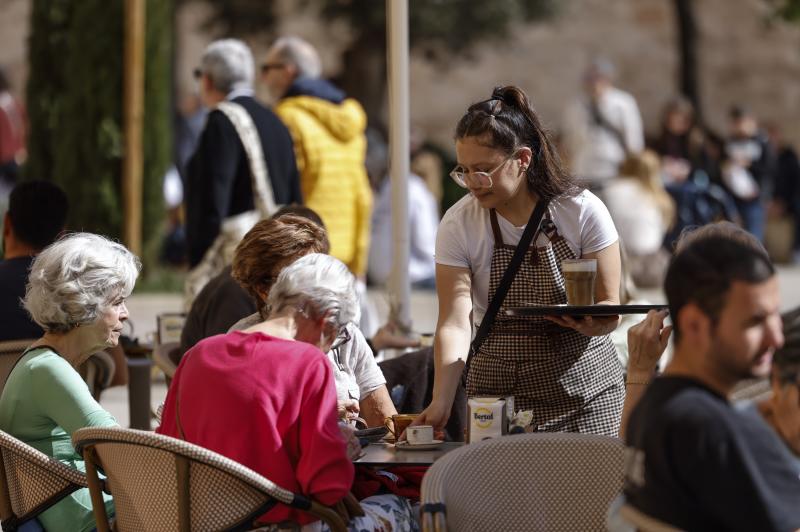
x: 742, y: 59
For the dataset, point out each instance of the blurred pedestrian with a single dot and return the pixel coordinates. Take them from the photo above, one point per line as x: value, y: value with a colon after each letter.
x: 13, y: 128
x: 423, y: 222
x: 602, y: 128
x: 785, y: 203
x: 243, y: 168
x: 330, y: 144
x: 642, y: 212
x: 683, y: 146
x: 748, y: 171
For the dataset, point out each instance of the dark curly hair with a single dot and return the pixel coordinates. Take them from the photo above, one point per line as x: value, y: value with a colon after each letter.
x: 506, y: 121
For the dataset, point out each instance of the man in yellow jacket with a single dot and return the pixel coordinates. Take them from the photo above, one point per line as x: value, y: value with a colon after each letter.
x: 330, y: 146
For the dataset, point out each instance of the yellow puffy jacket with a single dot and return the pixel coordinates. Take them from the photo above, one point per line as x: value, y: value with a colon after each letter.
x: 330, y: 148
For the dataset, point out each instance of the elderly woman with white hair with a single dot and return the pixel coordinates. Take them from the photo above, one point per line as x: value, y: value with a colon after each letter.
x: 76, y: 292
x: 274, y: 390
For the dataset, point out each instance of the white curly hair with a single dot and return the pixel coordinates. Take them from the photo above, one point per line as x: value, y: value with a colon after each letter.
x: 75, y: 279
x: 320, y: 284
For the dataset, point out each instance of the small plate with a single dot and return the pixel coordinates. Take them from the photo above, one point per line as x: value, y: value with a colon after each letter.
x: 372, y: 435
x: 405, y: 446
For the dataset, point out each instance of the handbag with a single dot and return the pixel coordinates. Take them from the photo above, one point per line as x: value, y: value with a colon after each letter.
x: 505, y: 283
x: 232, y: 231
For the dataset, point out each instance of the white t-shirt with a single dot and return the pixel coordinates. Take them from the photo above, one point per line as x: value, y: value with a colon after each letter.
x: 423, y: 219
x: 465, y: 237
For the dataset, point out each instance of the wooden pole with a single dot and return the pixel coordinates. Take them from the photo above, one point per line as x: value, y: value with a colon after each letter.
x: 399, y: 286
x: 133, y: 114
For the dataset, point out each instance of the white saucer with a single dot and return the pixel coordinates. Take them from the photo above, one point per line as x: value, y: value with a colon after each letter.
x: 405, y: 446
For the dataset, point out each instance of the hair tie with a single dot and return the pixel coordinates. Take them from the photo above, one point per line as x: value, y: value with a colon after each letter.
x: 500, y: 96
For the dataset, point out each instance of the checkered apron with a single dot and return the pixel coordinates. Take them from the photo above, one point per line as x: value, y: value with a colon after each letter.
x: 571, y: 382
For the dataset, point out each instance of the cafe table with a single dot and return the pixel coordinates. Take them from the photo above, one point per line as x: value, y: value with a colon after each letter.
x: 383, y: 454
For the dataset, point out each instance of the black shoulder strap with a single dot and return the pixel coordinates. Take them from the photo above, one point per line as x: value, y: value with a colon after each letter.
x: 508, y: 277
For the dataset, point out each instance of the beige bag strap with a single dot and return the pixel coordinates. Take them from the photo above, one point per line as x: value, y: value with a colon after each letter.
x: 263, y: 195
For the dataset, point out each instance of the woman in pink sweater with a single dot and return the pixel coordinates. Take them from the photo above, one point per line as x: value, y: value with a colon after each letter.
x: 266, y: 397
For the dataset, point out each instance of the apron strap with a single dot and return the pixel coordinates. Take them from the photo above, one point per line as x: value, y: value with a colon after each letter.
x: 508, y: 277
x: 498, y: 235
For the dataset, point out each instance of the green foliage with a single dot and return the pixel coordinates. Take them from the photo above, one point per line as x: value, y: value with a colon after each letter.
x: 787, y: 9
x: 74, y: 96
x: 456, y: 24
x: 158, y: 124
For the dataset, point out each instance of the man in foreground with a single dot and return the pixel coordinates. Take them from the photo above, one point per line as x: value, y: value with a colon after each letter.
x: 696, y: 462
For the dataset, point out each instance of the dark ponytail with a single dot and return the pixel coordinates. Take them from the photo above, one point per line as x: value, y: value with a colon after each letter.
x: 506, y: 121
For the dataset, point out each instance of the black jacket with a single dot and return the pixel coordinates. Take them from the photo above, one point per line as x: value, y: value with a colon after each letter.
x: 218, y: 183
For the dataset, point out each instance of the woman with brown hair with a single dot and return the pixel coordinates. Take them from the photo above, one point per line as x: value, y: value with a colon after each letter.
x: 563, y: 369
x: 266, y: 250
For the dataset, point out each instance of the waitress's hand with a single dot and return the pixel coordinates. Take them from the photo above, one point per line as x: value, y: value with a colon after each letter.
x: 588, y: 325
x: 436, y: 415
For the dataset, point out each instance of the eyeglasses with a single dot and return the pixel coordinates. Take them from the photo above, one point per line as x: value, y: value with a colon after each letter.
x: 266, y: 67
x: 466, y: 179
x: 342, y: 338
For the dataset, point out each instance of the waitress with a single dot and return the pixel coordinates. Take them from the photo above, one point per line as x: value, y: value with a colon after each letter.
x: 563, y: 369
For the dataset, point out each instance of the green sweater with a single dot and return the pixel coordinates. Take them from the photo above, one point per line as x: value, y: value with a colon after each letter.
x: 43, y: 402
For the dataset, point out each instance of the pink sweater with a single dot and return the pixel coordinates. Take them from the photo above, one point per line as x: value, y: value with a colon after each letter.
x: 269, y: 404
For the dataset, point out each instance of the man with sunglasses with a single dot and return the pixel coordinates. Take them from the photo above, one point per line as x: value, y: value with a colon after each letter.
x: 219, y: 181
x: 328, y: 130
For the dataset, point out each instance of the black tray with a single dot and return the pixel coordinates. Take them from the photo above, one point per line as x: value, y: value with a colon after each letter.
x: 578, y: 310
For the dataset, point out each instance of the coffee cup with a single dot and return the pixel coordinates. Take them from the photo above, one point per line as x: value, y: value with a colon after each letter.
x: 398, y: 423
x: 579, y: 279
x: 419, y: 434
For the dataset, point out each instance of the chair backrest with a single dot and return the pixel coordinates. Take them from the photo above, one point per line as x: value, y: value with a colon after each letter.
x: 31, y: 481
x: 10, y: 352
x: 162, y: 483
x: 164, y: 356
x: 169, y: 327
x: 525, y: 482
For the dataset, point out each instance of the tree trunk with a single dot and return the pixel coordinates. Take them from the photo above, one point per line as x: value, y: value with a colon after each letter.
x: 687, y: 44
x: 363, y: 76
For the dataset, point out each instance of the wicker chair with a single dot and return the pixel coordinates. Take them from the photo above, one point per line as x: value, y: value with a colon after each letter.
x: 31, y: 482
x: 164, y: 357
x: 524, y: 482
x: 162, y: 483
x: 167, y: 348
x: 10, y: 352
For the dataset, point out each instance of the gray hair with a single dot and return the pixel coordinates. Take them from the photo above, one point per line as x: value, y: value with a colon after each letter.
x: 301, y: 54
x: 229, y: 65
x: 75, y: 279
x: 601, y: 67
x: 318, y: 283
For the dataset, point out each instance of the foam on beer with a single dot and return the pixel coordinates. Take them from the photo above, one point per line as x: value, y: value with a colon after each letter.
x: 579, y: 265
